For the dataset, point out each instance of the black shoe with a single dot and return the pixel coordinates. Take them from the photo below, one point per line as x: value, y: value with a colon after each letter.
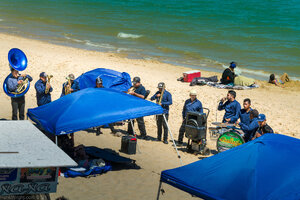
x: 144, y: 137
x: 166, y: 142
x: 98, y: 132
x: 158, y: 139
x: 178, y: 143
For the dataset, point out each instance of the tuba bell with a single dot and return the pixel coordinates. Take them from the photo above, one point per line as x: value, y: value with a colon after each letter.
x: 18, y: 61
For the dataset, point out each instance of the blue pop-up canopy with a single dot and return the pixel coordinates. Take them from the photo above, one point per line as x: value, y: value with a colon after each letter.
x: 265, y: 168
x: 111, y: 79
x: 88, y: 108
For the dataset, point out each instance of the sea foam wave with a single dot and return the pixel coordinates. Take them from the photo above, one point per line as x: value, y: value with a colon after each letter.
x: 1, y: 20
x: 89, y: 43
x: 128, y: 35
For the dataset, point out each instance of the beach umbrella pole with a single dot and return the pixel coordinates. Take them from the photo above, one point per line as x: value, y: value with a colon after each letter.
x: 172, y: 139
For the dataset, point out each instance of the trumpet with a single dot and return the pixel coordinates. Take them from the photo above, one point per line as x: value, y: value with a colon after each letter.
x: 132, y: 89
x: 68, y: 87
x: 48, y: 82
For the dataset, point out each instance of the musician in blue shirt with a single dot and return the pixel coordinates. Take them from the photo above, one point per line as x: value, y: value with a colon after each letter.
x: 74, y: 85
x: 244, y: 114
x: 231, y: 106
x: 250, y: 130
x: 166, y: 101
x: 139, y: 91
x: 12, y: 85
x: 40, y: 86
x: 192, y: 104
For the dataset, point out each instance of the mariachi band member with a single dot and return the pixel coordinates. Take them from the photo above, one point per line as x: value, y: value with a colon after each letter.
x: 70, y: 86
x: 138, y: 90
x: 17, y: 103
x: 231, y: 106
x: 43, y: 90
x: 99, y: 84
x: 191, y: 104
x: 164, y: 98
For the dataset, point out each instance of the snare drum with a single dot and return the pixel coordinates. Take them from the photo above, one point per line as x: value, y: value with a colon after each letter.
x: 228, y: 140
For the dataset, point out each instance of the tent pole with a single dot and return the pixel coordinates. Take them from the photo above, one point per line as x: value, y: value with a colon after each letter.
x: 158, y: 193
x: 56, y: 139
x: 131, y: 122
x: 172, y: 139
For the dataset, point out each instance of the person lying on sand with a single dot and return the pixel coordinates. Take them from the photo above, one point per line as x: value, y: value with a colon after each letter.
x: 283, y: 79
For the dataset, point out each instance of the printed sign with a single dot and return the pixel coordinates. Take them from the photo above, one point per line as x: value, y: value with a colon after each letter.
x: 8, y: 174
x: 229, y: 140
x: 28, y: 181
x: 37, y: 175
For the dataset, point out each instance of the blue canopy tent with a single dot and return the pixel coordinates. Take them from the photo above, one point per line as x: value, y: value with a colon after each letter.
x: 91, y: 107
x: 111, y: 79
x: 265, y: 168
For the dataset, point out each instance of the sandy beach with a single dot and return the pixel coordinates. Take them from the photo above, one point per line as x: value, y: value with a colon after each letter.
x: 280, y: 105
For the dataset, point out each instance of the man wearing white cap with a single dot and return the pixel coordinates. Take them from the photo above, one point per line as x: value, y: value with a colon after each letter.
x: 71, y: 85
x: 192, y: 104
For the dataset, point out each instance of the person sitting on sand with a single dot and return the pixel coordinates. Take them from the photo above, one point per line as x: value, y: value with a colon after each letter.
x: 231, y: 106
x: 250, y: 130
x: 192, y: 104
x: 228, y: 74
x: 283, y: 79
x: 244, y: 114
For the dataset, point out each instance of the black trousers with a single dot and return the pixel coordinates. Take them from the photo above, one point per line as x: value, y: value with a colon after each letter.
x: 111, y: 126
x: 141, y: 125
x: 18, y: 104
x: 181, y: 131
x: 160, y: 122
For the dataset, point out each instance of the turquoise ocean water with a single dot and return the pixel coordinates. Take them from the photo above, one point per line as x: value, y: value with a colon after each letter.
x: 262, y: 36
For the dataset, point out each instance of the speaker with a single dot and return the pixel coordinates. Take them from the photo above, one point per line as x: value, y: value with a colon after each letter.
x: 195, y: 128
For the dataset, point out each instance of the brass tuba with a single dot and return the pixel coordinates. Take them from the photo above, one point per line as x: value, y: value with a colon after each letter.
x: 48, y: 82
x: 18, y: 61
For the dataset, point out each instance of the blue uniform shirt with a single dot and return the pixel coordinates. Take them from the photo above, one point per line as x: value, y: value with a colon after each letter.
x: 195, y: 106
x: 232, y: 110
x: 12, y: 82
x: 41, y: 97
x: 245, y: 116
x: 75, y: 87
x: 250, y: 129
x: 165, y: 102
x: 140, y: 90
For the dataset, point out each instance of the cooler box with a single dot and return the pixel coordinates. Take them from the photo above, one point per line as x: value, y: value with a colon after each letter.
x: 190, y: 75
x: 128, y: 144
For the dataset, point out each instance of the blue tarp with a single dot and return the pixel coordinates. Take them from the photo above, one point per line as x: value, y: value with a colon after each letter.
x: 90, y: 107
x: 265, y: 168
x: 111, y: 79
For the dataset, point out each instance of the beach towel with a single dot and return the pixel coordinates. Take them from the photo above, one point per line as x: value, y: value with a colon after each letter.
x: 84, y: 172
x: 221, y: 86
x: 243, y: 81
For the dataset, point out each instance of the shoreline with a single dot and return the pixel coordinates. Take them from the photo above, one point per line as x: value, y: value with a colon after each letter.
x: 280, y: 105
x: 204, y: 64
